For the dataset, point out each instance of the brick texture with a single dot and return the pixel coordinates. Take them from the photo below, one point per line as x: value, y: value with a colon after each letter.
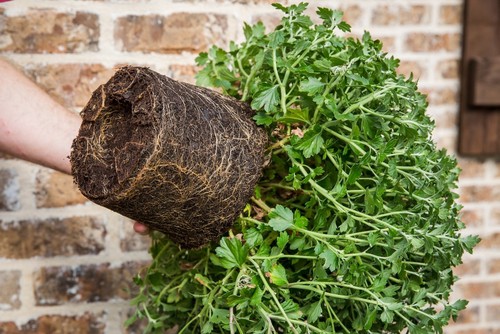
x: 386, y: 15
x: 64, y: 262
x: 432, y: 42
x: 180, y: 32
x: 58, y: 324
x: 88, y: 283
x: 49, y: 31
x: 9, y: 294
x: 9, y: 190
x: 70, y: 84
x: 54, y: 190
x: 51, y: 237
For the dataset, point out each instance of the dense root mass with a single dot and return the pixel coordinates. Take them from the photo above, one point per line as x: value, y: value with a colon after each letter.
x: 181, y: 159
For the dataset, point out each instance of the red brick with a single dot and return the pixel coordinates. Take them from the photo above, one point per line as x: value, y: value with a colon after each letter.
x: 450, y: 14
x: 478, y: 331
x: 184, y: 73
x: 480, y: 290
x: 54, y: 190
x: 495, y: 216
x: 448, y: 69
x: 70, y: 84
x: 471, y: 168
x: 85, y: 284
x: 9, y: 293
x: 493, y: 312
x: 9, y: 190
x: 48, y: 31
x: 388, y: 15
x: 418, y: 69
x: 493, y: 266
x: 51, y: 237
x: 58, y: 324
x: 490, y: 241
x: 441, y: 96
x: 479, y: 193
x: 473, y: 218
x: 176, y: 33
x: 468, y: 268
x: 469, y: 315
x: 430, y: 42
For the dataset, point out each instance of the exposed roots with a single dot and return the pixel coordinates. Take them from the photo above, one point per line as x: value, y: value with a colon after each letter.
x: 179, y: 158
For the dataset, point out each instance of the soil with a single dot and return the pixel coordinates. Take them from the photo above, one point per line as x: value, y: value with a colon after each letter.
x: 182, y: 159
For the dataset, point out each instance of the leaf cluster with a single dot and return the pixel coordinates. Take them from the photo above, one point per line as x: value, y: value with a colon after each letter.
x: 354, y: 227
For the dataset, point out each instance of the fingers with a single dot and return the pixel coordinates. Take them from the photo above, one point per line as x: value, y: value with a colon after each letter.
x: 141, y: 228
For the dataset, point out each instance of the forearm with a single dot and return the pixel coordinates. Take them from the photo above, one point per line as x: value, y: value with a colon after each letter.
x: 33, y: 126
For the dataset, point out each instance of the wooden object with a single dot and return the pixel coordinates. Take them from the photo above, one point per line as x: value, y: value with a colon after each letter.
x: 480, y: 92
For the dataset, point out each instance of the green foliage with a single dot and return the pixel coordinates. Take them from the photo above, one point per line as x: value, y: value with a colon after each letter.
x: 354, y: 225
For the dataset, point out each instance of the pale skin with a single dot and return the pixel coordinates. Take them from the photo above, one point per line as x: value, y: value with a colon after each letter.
x: 34, y: 127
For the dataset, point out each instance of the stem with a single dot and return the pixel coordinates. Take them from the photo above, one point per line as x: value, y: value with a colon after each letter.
x: 273, y: 295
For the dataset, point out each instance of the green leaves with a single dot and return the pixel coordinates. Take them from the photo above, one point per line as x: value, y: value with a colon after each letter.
x: 281, y: 218
x: 266, y: 99
x: 232, y: 253
x: 354, y: 226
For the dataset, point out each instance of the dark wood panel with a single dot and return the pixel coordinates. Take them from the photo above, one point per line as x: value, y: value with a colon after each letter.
x: 479, y: 120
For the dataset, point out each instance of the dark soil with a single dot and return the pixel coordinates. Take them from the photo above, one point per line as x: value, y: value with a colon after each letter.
x: 181, y: 159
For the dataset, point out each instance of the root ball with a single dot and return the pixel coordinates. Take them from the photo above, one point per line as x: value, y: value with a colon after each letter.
x: 181, y: 159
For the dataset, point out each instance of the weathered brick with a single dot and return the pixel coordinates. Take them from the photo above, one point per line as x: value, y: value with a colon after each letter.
x: 70, y: 84
x: 472, y: 218
x: 495, y: 216
x: 9, y: 190
x: 470, y: 267
x: 441, y: 96
x: 478, y: 331
x: 470, y: 315
x: 490, y: 241
x: 471, y: 168
x: 407, y: 67
x: 184, y: 73
x: 86, y: 283
x: 479, y: 193
x: 479, y: 290
x: 176, y: 33
x: 493, y: 312
x: 54, y: 189
x: 450, y: 14
x: 58, y: 324
x: 386, y: 15
x: 493, y: 266
x: 448, y: 69
x: 432, y: 42
x: 131, y: 241
x: 388, y: 42
x: 48, y: 31
x: 52, y: 237
x: 447, y: 119
x: 9, y: 293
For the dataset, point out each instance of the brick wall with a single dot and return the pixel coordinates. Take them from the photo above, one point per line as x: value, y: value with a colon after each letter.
x: 66, y: 264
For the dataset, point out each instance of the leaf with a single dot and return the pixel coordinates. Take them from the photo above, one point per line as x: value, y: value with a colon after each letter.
x: 263, y: 119
x: 252, y: 237
x: 277, y: 275
x: 331, y: 259
x: 311, y: 143
x: 231, y: 253
x: 266, y: 99
x: 282, y: 240
x: 220, y: 316
x: 314, y: 312
x: 281, y: 218
x: 312, y: 86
